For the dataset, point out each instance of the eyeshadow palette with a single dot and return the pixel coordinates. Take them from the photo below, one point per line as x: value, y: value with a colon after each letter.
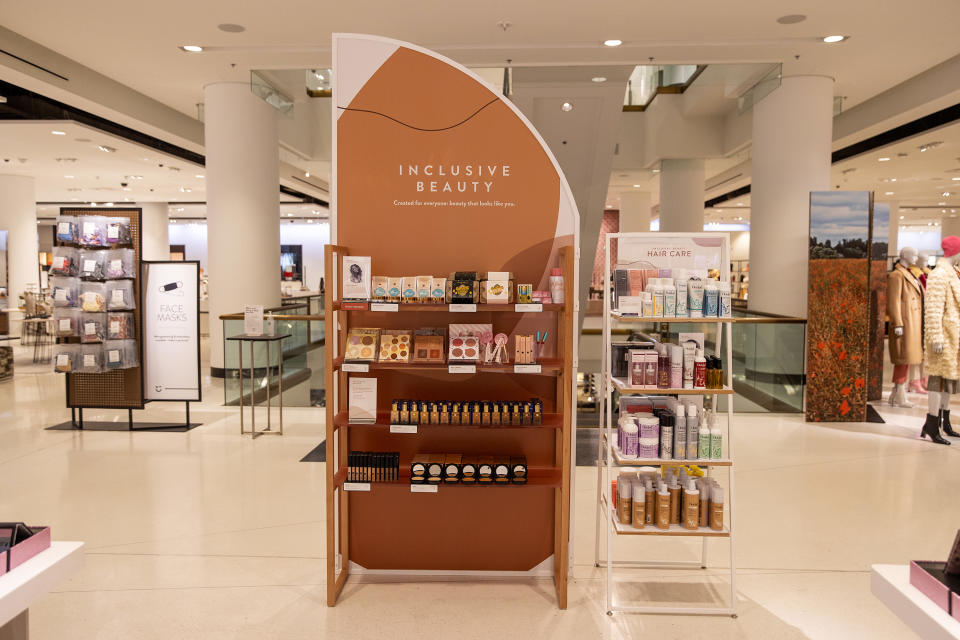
x: 428, y: 348
x: 361, y: 345
x: 395, y: 345
x: 464, y: 348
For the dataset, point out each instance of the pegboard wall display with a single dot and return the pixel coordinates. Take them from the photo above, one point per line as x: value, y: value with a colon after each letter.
x: 103, y: 245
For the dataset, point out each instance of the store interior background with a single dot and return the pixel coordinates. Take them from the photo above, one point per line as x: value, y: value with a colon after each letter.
x: 637, y: 158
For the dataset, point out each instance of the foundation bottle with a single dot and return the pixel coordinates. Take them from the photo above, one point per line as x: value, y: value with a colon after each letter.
x: 624, y: 508
x: 675, y: 500
x: 639, y: 504
x: 691, y: 506
x: 704, y: 516
x: 650, y: 503
x: 663, y: 507
x: 716, y: 508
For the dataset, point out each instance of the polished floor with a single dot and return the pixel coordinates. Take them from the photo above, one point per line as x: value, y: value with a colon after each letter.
x: 209, y: 535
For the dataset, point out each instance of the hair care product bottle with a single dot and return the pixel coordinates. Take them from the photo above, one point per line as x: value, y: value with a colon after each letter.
x: 556, y: 285
x: 675, y: 500
x: 680, y: 433
x: 663, y: 507
x: 693, y: 432
x: 669, y: 298
x: 647, y: 304
x: 724, y: 309
x: 716, y: 508
x: 695, y: 296
x: 691, y: 506
x: 710, y: 299
x: 699, y: 371
x: 676, y: 366
x: 703, y: 440
x: 269, y: 325
x: 650, y: 503
x: 631, y: 440
x: 680, y: 282
x: 716, y: 439
x: 663, y: 366
x: 666, y: 437
x: 639, y: 497
x: 704, y: 520
x: 689, y: 353
x: 624, y: 496
x: 657, y: 290
x: 720, y: 375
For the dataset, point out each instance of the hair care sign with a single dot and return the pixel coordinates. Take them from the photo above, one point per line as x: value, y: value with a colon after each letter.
x: 171, y: 330
x: 666, y: 251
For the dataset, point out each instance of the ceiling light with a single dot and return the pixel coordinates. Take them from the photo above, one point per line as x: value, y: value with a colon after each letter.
x: 68, y: 177
x: 598, y: 79
x: 888, y: 193
x: 945, y: 194
x: 58, y: 133
x: 893, y: 179
x: 106, y: 149
x: 655, y: 170
x: 636, y: 186
x: 832, y: 39
x: 289, y: 215
x: 612, y: 42
x: 307, y: 174
x: 793, y: 18
x: 901, y: 217
x: 199, y: 175
x: 566, y: 106
x: 231, y: 28
x: 192, y: 48
x: 719, y: 210
x: 883, y: 159
x: 108, y: 204
x: 739, y: 204
x: 93, y: 204
x: 941, y: 203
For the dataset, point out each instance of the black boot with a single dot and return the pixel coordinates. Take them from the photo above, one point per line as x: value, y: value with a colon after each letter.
x: 931, y: 429
x: 947, y: 429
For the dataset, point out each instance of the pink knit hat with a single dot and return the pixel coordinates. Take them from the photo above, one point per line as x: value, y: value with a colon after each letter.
x: 951, y: 246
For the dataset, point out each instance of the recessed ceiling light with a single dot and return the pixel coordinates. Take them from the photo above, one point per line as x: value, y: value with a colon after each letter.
x: 883, y: 159
x: 832, y: 39
x: 566, y: 106
x: 58, y: 133
x: 199, y: 175
x: 93, y: 204
x: 68, y: 177
x: 192, y: 48
x: 613, y: 42
x: 793, y: 18
x: 957, y: 178
x: 231, y: 28
x: 719, y: 210
x: 636, y: 186
x: 888, y: 193
x: 901, y: 217
x: 945, y: 194
x: 185, y: 190
x: 108, y: 204
x: 655, y: 170
x: 105, y: 148
x: 598, y: 79
x: 307, y: 174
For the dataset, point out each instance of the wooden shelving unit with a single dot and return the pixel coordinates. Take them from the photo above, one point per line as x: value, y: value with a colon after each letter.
x: 610, y: 460
x: 479, y: 529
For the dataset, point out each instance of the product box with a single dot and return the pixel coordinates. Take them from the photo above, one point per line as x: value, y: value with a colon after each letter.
x: 435, y: 468
x: 356, y: 278
x: 408, y: 289
x: 25, y: 548
x: 620, y: 357
x: 497, y: 288
x: 362, y: 403
x: 650, y: 370
x: 933, y: 581
x: 380, y: 286
x: 485, y: 470
x: 439, y: 292
x: 418, y: 468
x: 428, y: 345
x: 395, y: 345
x: 501, y: 469
x: 638, y: 368
x: 468, y: 470
x: 518, y: 469
x: 463, y: 287
x: 451, y: 468
x: 424, y: 289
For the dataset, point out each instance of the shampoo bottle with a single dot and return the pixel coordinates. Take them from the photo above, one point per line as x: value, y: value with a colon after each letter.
x: 693, y: 432
x: 666, y: 437
x: 674, y: 489
x: 663, y: 507
x: 699, y: 371
x: 650, y: 503
x: 724, y: 307
x: 631, y: 439
x: 624, y: 508
x: 647, y: 304
x: 704, y: 504
x: 716, y: 439
x: 703, y: 441
x: 691, y: 506
x: 639, y: 504
x: 680, y: 282
x: 710, y: 299
x: 669, y: 298
x: 556, y: 285
x: 716, y: 508
x: 695, y: 296
x: 657, y: 290
x: 676, y: 366
x: 680, y: 433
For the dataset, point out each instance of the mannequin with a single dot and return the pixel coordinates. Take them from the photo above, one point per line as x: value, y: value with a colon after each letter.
x: 941, y: 340
x: 921, y: 269
x: 905, y: 310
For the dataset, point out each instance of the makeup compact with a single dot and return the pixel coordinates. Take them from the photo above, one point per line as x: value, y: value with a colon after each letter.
x: 468, y: 470
x: 418, y: 469
x: 485, y: 470
x: 451, y: 468
x: 361, y: 345
x: 518, y: 469
x: 428, y: 345
x: 395, y: 345
x: 467, y: 340
x: 501, y: 470
x: 435, y: 468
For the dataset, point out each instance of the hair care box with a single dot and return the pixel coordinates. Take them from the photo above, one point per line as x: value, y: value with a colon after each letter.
x: 650, y: 370
x: 638, y: 368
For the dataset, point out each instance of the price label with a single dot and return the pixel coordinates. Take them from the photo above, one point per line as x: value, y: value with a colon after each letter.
x: 113, y: 232
x: 526, y: 368
x: 65, y: 324
x: 356, y: 486
x: 423, y: 488
x: 113, y: 355
x: 63, y: 228
x: 89, y: 328
x: 59, y: 262
x: 89, y: 360
x: 356, y: 367
x: 62, y: 359
x: 403, y: 428
x: 462, y: 368
x: 384, y: 306
x: 463, y: 308
x: 536, y: 307
x: 116, y: 266
x: 89, y: 266
x: 114, y: 327
x: 116, y: 298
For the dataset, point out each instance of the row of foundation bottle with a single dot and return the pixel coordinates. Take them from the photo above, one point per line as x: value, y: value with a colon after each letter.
x: 645, y: 499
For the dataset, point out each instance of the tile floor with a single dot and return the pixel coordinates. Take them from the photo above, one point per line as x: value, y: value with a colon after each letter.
x: 210, y: 535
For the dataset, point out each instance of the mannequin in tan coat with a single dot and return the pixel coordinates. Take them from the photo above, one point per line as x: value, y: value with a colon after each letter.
x: 905, y: 310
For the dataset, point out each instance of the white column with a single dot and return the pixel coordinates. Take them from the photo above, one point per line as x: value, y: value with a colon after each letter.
x: 155, y: 237
x: 634, y: 211
x: 18, y: 217
x: 792, y: 132
x: 243, y: 211
x: 681, y: 195
x: 948, y: 226
x: 893, y: 239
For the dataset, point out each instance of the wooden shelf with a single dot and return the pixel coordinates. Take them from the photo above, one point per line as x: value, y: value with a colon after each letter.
x: 657, y: 462
x: 677, y: 320
x: 445, y: 308
x: 550, y: 421
x: 536, y: 477
x: 623, y: 388
x: 548, y: 366
x: 674, y: 530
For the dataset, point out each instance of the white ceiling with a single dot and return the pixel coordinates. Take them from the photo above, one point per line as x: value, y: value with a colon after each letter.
x: 136, y: 43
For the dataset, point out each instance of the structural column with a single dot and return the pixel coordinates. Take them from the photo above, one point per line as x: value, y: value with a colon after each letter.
x: 792, y: 132
x: 893, y: 238
x: 155, y: 237
x: 243, y: 211
x: 681, y: 195
x: 18, y: 217
x: 634, y: 211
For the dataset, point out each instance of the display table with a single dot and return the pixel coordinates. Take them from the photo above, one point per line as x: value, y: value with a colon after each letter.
x: 268, y: 340
x: 31, y: 580
x: 891, y: 584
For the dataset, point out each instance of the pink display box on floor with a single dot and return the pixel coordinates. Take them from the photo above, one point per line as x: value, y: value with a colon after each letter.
x: 3, y: 562
x: 23, y: 551
x: 930, y: 579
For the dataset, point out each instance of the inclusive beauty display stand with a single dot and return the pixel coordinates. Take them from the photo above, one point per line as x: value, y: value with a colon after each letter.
x: 451, y: 178
x: 609, y: 459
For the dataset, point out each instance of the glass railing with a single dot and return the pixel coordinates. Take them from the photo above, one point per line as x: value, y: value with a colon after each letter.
x: 647, y: 80
x: 302, y: 352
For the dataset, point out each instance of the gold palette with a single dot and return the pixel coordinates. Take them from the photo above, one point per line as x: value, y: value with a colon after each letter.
x: 361, y: 345
x: 395, y: 346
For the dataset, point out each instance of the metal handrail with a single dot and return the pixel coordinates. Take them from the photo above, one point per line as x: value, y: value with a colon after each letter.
x: 311, y: 318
